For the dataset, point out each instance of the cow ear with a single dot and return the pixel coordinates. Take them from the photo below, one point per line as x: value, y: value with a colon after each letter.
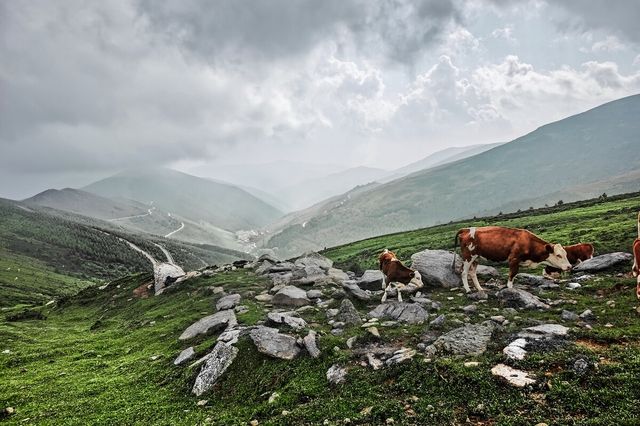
x: 549, y: 248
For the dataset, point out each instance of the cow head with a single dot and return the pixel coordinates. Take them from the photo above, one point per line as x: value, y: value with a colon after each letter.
x: 557, y: 257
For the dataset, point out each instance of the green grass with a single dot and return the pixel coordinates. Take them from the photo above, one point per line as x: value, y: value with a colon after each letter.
x: 90, y: 360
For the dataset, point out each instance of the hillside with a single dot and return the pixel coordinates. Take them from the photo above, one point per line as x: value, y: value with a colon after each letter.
x: 86, y: 203
x: 108, y: 355
x: 199, y: 200
x: 575, y: 157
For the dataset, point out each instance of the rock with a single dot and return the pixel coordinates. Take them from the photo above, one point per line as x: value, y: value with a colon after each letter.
x: 498, y: 318
x: 410, y: 313
x: 310, y: 344
x: 487, y: 271
x: 185, y: 355
x: 314, y: 259
x: 602, y: 262
x: 290, y: 296
x: 569, y: 316
x: 470, y: 339
x: 581, y: 366
x: 273, y: 397
x: 400, y: 356
x: 332, y: 312
x: 352, y: 288
x: 438, y: 322
x: 228, y: 302
x: 164, y: 275
x: 371, y: 280
x: 271, y: 342
x: 219, y: 360
x: 230, y: 337
x: 210, y: 324
x: 587, y: 315
x: 374, y: 362
x: 348, y: 313
x: 373, y: 331
x: 517, y: 298
x: 573, y: 286
x: 471, y: 364
x: 337, y: 275
x: 314, y: 294
x: 512, y: 376
x: 336, y: 374
x: 470, y: 309
x: 435, y: 268
x: 6, y: 412
x: 289, y: 318
x: 515, y: 349
x: 202, y: 402
x: 281, y: 280
x: 478, y: 295
x: 265, y: 298
x: 242, y: 309
x: 531, y: 280
x: 351, y: 341
x: 546, y: 329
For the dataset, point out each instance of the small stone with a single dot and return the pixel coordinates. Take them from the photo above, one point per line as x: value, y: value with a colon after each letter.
x: 228, y: 302
x: 265, y: 298
x: 314, y: 294
x: 348, y: 313
x: 587, y: 315
x: 390, y: 421
x: 470, y: 364
x: 273, y: 397
x: 311, y: 345
x: 569, y: 316
x: 374, y: 331
x: 351, y: 341
x: 573, y: 286
x: 202, y: 402
x: 438, y: 322
x: 184, y: 356
x: 515, y: 349
x: 498, y: 318
x: 374, y: 362
x: 512, y: 376
x: 154, y: 357
x: 336, y: 374
x: 470, y: 309
x: 254, y: 423
x: 6, y: 351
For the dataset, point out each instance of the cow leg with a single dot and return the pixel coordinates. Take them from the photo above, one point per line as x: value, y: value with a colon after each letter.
x: 514, y: 266
x: 384, y: 296
x: 474, y: 276
x: 399, y: 293
x: 638, y: 287
x: 466, y: 265
x: 384, y: 281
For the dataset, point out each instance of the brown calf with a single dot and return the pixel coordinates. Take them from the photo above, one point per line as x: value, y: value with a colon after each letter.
x: 518, y: 247
x: 636, y: 260
x: 394, y: 272
x: 576, y: 253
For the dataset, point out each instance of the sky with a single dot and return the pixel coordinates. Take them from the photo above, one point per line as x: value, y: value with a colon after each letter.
x: 89, y: 88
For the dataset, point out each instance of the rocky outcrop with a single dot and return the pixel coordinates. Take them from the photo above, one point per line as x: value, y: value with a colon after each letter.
x: 216, y: 364
x: 270, y: 341
x: 210, y: 324
x: 603, y: 262
x: 470, y: 339
x: 314, y: 259
x: 164, y: 275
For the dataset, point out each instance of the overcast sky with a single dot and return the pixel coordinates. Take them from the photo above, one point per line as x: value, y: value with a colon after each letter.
x: 88, y: 88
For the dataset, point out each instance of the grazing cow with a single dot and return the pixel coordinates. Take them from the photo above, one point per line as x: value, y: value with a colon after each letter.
x: 518, y: 247
x: 636, y: 260
x: 575, y: 254
x: 395, y: 272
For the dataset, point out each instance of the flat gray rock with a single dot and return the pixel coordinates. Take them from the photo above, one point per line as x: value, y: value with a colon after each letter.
x: 348, y: 314
x: 531, y: 280
x: 270, y: 341
x: 210, y: 324
x: 517, y: 298
x: 470, y: 339
x: 512, y: 376
x: 314, y: 294
x: 351, y: 287
x: 289, y: 318
x: 371, y: 280
x: 217, y: 363
x: 290, y: 296
x: 228, y: 302
x: 435, y: 268
x: 602, y: 262
x: 184, y: 356
x: 410, y: 313
x: 314, y: 259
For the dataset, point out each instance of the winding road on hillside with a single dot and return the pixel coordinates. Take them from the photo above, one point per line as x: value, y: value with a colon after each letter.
x: 177, y: 230
x: 148, y: 213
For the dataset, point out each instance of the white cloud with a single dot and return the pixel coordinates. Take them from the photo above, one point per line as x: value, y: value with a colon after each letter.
x: 608, y: 44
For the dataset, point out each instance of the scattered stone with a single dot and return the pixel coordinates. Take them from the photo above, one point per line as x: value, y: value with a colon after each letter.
x: 228, y: 302
x: 351, y: 287
x: 310, y: 344
x: 470, y: 339
x: 289, y: 318
x: 517, y: 298
x: 254, y: 423
x: 515, y: 349
x: 531, y: 280
x: 602, y: 262
x: 273, y: 397
x: 573, y: 286
x: 435, y: 268
x: 410, y: 313
x: 351, y: 341
x: 337, y: 331
x: 587, y: 315
x: 185, y: 355
x: 230, y: 337
x: 242, y: 309
x: 371, y: 280
x: 202, y: 402
x: 336, y: 374
x: 314, y: 294
x: 332, y: 312
x: 478, y: 295
x: 569, y: 316
x: 210, y: 324
x: 217, y: 363
x: 337, y: 275
x: 512, y: 376
x: 374, y: 362
x: 581, y: 366
x: 400, y: 356
x: 348, y: 314
x: 471, y: 364
x: 498, y: 318
x: 545, y: 329
x: 438, y: 322
x: 374, y: 332
x: 470, y: 309
x: 290, y: 296
x: 271, y: 342
x: 265, y: 298
x: 6, y: 412
x: 314, y: 259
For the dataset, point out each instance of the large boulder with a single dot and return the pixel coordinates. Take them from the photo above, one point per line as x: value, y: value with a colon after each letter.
x: 348, y: 313
x: 290, y: 296
x: 288, y: 318
x: 217, y: 363
x: 164, y: 275
x: 314, y: 259
x: 371, y: 280
x: 470, y: 339
x: 352, y: 288
x: 228, y: 302
x: 410, y: 313
x: 602, y: 262
x: 435, y: 268
x: 210, y: 324
x: 271, y: 342
x: 517, y: 298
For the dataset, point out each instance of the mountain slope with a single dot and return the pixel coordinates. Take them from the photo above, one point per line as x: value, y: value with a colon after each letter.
x: 86, y: 203
x: 222, y: 205
x: 585, y: 149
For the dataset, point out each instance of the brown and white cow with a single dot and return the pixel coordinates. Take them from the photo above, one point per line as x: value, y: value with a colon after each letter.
x: 636, y: 260
x: 394, y: 272
x: 518, y: 247
x: 576, y: 253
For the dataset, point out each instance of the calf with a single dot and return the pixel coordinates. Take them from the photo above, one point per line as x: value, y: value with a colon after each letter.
x: 575, y: 254
x: 635, y: 249
x: 394, y: 271
x: 518, y: 247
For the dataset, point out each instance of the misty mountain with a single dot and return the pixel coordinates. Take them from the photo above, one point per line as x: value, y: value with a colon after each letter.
x: 197, y: 199
x: 583, y: 155
x: 86, y: 203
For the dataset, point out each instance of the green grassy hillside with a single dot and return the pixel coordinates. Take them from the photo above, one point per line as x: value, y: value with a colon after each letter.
x: 105, y: 357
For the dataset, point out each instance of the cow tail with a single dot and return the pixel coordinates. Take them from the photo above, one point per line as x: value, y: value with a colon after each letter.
x: 455, y: 246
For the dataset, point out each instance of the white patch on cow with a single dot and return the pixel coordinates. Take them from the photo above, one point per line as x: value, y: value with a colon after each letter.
x: 472, y: 232
x: 385, y: 251
x: 558, y: 258
x: 471, y: 247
